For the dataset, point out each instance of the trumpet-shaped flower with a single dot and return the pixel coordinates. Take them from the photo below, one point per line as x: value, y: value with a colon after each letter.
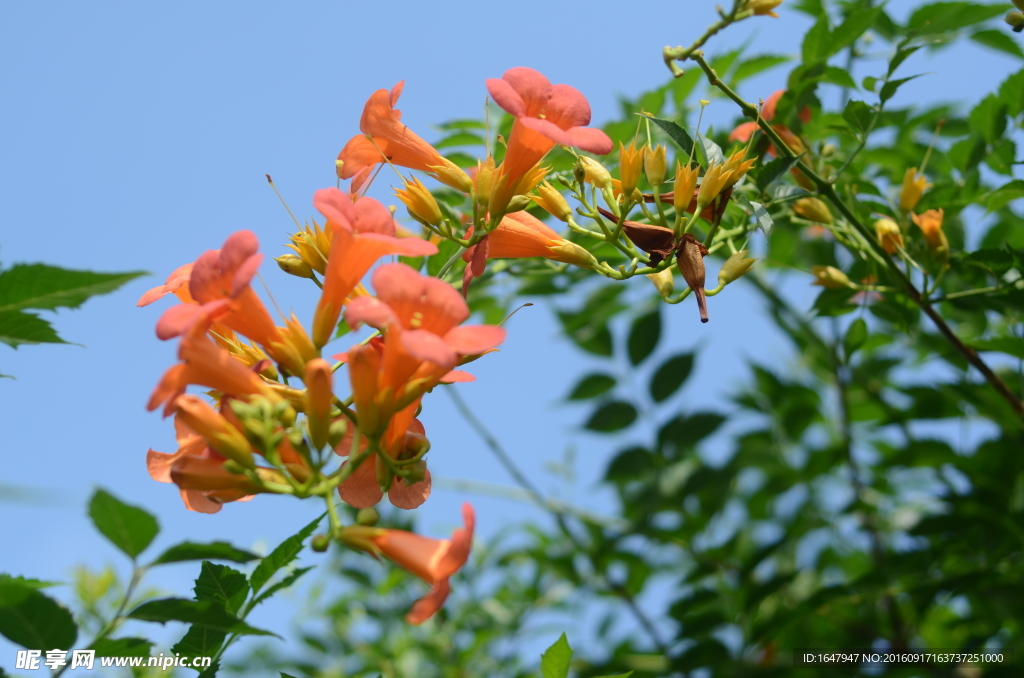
x: 545, y: 115
x: 386, y: 139
x: 930, y: 223
x: 432, y: 560
x: 913, y: 187
x: 744, y: 131
x: 362, y: 232
x: 889, y: 235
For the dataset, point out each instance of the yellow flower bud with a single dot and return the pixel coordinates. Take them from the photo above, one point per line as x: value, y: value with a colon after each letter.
x: 630, y: 164
x: 813, y: 209
x: 763, y: 7
x: 450, y: 174
x: 738, y: 167
x: 594, y: 172
x: 569, y: 252
x: 552, y: 201
x: 318, y: 401
x: 913, y: 188
x: 293, y: 265
x: 655, y: 164
x: 734, y: 267
x: 664, y: 281
x: 518, y: 203
x: 715, y: 179
x: 930, y: 224
x: 686, y: 183
x: 420, y: 202
x: 830, y: 277
x: 484, y: 180
x: 889, y: 235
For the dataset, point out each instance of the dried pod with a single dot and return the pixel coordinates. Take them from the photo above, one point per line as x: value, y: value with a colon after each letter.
x: 690, y: 259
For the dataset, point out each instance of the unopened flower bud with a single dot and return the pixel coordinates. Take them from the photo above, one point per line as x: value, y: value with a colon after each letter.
x: 630, y: 164
x: 813, y: 209
x: 664, y: 282
x: 337, y: 431
x: 320, y: 542
x: 1015, y: 19
x: 763, y: 7
x: 318, y: 401
x: 518, y: 203
x: 734, y: 267
x: 889, y: 235
x: 484, y: 180
x: 293, y: 265
x: 367, y: 516
x: 594, y: 172
x: 914, y: 186
x: 830, y: 277
x: 219, y: 433
x: 655, y: 164
x: 549, y: 198
x: 420, y: 202
x: 685, y: 185
x: 715, y: 179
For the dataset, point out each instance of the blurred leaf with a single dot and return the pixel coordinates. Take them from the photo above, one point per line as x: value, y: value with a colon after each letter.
x: 999, y: 41
x: 855, y: 337
x: 48, y: 287
x: 755, y: 65
x: 712, y: 151
x: 25, y: 582
x: 902, y: 54
x: 202, y: 613
x: 670, y: 375
x: 285, y: 582
x: 122, y: 647
x: 1012, y: 93
x: 286, y: 552
x: 217, y: 550
x: 1009, y: 345
x: 223, y: 585
x: 858, y: 115
x: 760, y: 214
x: 988, y: 118
x: 643, y: 336
x: 129, y: 528
x: 554, y: 663
x: 34, y: 620
x: 460, y: 139
x: 17, y: 328
x: 592, y: 386
x: 613, y: 416
x: 941, y: 17
x: 888, y: 90
x: 685, y: 431
x: 199, y: 641
x: 838, y: 76
x: 817, y: 41
x: 1004, y: 195
x: 834, y: 302
x: 853, y: 27
x: 773, y: 169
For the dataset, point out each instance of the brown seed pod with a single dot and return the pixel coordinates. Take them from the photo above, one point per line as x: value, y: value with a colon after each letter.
x: 690, y: 259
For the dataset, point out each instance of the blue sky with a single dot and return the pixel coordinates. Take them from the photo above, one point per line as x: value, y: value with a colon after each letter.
x: 138, y: 136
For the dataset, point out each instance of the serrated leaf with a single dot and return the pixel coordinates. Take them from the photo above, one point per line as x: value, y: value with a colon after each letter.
x: 285, y: 582
x: 773, y: 169
x: 612, y: 416
x: 122, y: 647
x: 202, y: 613
x: 217, y: 550
x: 287, y: 551
x: 855, y: 337
x: 222, y: 584
x: 943, y: 17
x: 999, y: 41
x: 17, y: 328
x: 129, y: 528
x: 643, y: 336
x: 199, y: 641
x: 49, y: 287
x: 34, y: 620
x: 592, y: 386
x: 712, y: 151
x: 677, y: 134
x: 26, y: 582
x: 670, y: 375
x: 554, y: 663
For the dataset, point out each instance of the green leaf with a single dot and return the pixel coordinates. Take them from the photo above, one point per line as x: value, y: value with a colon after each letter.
x: 460, y: 139
x: 942, y: 17
x: 287, y: 551
x: 988, y: 118
x: 643, y: 336
x: 834, y: 302
x: 612, y: 416
x: 48, y: 287
x: 129, y: 528
x: 26, y: 582
x: 122, y: 647
x: 17, y: 328
x: 756, y: 65
x: 217, y: 550
x: 592, y: 386
x: 676, y: 133
x: 772, y: 170
x: 854, y: 26
x: 999, y: 41
x: 1005, y: 194
x: 199, y: 641
x: 554, y: 663
x: 32, y: 619
x: 712, y: 151
x: 462, y: 124
x: 764, y: 220
x: 223, y: 585
x: 889, y: 88
x: 855, y: 337
x: 817, y: 42
x: 1009, y: 345
x: 838, y: 76
x: 202, y: 613
x: 1012, y: 93
x: 902, y: 53
x: 670, y: 375
x: 285, y: 582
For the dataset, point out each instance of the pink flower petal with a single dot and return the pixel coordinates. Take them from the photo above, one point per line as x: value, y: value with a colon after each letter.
x: 548, y: 129
x: 568, y: 107
x: 534, y: 89
x: 408, y: 497
x: 239, y: 246
x: 371, y: 311
x: 457, y: 377
x: 176, y: 320
x: 427, y: 346
x: 474, y: 339
x: 360, y: 490
x: 427, y: 606
x: 590, y: 140
x: 371, y: 216
x: 245, y: 273
x: 396, y: 92
x: 506, y: 96
x: 335, y: 204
